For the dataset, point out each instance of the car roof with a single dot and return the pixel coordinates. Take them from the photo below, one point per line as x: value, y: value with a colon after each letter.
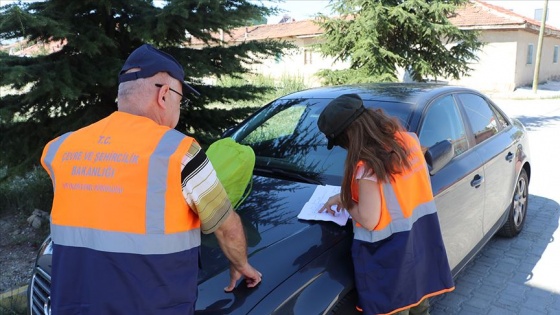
x: 411, y: 93
x: 409, y: 98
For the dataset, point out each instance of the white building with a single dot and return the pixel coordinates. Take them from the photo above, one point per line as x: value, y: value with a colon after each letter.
x: 506, y: 61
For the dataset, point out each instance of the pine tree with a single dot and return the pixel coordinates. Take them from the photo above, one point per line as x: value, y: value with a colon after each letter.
x: 381, y: 36
x: 77, y: 85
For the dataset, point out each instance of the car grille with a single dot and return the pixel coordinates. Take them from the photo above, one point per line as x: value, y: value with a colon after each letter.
x: 40, y: 293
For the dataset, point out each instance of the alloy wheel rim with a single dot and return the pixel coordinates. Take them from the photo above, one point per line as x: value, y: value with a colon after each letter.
x: 519, y: 202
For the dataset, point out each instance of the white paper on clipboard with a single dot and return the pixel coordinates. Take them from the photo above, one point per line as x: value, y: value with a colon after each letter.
x: 310, y: 210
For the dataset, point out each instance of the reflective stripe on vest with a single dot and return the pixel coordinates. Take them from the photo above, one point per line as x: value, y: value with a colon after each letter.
x: 398, y: 223
x: 166, y: 225
x: 51, y: 150
x: 155, y: 221
x: 118, y: 242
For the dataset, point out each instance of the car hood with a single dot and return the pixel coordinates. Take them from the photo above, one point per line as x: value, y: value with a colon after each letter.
x: 279, y: 245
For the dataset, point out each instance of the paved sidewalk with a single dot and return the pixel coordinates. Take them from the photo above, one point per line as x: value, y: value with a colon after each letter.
x: 521, y: 275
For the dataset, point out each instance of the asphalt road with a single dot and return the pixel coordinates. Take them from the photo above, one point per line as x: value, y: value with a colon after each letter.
x: 520, y: 275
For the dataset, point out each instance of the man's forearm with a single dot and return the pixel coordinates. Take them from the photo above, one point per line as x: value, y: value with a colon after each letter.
x: 231, y: 238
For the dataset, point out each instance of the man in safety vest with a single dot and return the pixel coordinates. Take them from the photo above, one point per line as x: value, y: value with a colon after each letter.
x: 131, y: 197
x: 398, y: 252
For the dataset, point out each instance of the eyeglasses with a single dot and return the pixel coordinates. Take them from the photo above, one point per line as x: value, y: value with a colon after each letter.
x: 184, y: 101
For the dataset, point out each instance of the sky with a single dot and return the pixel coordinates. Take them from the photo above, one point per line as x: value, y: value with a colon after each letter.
x: 298, y: 9
x: 306, y: 9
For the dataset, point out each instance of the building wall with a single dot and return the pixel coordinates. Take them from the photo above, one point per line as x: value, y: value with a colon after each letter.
x: 303, y: 62
x: 496, y: 66
x: 548, y: 69
x: 502, y: 64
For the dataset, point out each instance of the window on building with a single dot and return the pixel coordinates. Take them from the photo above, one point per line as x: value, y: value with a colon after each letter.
x: 530, y: 54
x: 307, y: 56
x: 555, y: 54
x: 538, y: 15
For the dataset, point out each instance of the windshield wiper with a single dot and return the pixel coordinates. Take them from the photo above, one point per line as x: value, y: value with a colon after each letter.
x: 285, y: 174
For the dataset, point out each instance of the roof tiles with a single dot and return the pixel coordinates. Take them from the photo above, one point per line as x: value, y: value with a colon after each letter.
x: 476, y: 14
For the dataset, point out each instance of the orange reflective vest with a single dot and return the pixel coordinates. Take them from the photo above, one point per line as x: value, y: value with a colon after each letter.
x: 407, y: 197
x: 117, y: 188
x: 402, y: 261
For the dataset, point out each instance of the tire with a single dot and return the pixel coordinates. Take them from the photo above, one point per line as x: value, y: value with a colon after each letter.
x: 518, y: 209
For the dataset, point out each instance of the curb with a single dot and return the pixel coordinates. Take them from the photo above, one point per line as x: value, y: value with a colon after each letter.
x: 13, y: 292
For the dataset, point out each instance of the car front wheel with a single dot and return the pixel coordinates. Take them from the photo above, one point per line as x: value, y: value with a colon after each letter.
x: 518, y: 209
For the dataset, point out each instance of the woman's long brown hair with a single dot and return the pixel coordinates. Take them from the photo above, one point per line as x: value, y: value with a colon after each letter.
x: 371, y: 138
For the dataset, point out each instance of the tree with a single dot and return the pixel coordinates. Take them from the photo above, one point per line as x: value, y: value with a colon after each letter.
x: 77, y: 85
x: 380, y: 36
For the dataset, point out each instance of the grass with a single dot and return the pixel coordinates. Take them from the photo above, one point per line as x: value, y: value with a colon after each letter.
x: 24, y: 194
x: 280, y: 86
x: 14, y: 302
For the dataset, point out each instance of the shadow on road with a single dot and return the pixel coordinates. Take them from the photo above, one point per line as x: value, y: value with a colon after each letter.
x: 510, y: 275
x: 533, y: 123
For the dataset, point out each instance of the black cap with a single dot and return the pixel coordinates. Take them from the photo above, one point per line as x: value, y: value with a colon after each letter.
x: 338, y: 115
x: 151, y: 61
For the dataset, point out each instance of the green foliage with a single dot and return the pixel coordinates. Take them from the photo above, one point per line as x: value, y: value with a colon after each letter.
x: 268, y: 89
x: 378, y: 37
x: 14, y: 305
x: 352, y: 76
x: 77, y: 85
x: 276, y: 87
x: 23, y: 194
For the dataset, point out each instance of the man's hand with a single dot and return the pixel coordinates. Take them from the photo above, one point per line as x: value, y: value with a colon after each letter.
x: 231, y: 238
x: 252, y: 277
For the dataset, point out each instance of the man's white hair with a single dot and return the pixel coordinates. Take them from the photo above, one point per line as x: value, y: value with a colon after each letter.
x: 135, y: 96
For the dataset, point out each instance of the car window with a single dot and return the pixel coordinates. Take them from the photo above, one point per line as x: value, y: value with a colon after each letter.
x: 442, y: 121
x: 502, y: 121
x: 284, y: 136
x: 281, y: 125
x: 482, y: 118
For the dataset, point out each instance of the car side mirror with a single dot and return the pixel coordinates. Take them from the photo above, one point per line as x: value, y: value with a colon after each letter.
x: 438, y: 155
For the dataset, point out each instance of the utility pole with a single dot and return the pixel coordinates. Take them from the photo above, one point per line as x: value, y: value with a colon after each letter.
x: 539, y: 47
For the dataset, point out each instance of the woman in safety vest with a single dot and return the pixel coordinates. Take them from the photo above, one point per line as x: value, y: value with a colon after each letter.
x: 398, y: 252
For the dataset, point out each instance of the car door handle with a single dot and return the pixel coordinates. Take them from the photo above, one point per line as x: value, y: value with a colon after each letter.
x: 509, y: 157
x: 477, y: 181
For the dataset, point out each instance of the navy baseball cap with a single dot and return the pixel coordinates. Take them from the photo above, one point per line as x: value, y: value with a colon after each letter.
x: 151, y: 61
x: 338, y: 115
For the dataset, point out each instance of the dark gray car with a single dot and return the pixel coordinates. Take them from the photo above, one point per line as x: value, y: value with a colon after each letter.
x: 480, y: 170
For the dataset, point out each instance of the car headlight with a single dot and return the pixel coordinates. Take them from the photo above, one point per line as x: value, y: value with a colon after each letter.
x: 46, y: 248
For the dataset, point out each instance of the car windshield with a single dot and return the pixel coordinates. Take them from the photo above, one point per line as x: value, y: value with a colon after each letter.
x: 288, y: 144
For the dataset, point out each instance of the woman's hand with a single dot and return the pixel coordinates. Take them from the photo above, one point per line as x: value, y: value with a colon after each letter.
x: 333, y: 201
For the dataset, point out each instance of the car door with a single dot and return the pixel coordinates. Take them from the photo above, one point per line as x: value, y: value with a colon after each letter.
x: 458, y: 187
x: 496, y: 149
